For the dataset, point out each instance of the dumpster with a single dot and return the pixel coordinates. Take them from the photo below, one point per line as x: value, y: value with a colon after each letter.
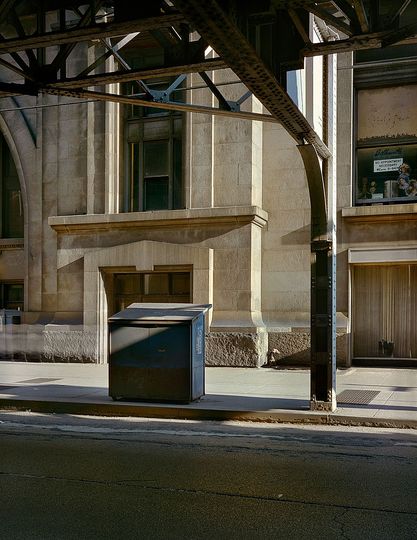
x: 156, y: 352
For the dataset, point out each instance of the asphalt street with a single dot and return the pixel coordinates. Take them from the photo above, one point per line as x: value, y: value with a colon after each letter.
x: 64, y: 477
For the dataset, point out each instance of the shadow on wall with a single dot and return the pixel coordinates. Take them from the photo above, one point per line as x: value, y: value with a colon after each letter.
x: 297, y: 237
x: 294, y: 349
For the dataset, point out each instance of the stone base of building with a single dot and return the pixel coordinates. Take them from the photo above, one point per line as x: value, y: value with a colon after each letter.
x: 66, y: 343
x: 294, y: 348
x: 235, y: 349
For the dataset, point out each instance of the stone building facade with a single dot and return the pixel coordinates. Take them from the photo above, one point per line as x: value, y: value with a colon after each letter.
x: 120, y: 205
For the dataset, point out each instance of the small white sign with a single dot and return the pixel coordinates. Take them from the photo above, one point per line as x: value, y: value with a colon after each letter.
x: 383, y: 165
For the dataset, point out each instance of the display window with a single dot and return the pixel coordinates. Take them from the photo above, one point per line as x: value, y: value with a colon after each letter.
x: 387, y: 174
x: 386, y: 145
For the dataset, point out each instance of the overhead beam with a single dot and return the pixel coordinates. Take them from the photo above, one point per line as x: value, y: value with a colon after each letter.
x: 369, y: 41
x: 86, y: 19
x: 215, y: 27
x: 348, y: 11
x: 123, y: 76
x: 398, y: 35
x: 114, y: 49
x: 96, y: 31
x: 374, y: 40
x: 314, y: 7
x: 299, y: 26
x: 361, y: 13
x: 170, y: 105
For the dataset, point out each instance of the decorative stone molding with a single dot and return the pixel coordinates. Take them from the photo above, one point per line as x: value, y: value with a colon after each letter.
x: 192, y: 217
x: 387, y: 213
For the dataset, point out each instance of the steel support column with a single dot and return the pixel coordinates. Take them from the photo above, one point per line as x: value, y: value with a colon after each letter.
x: 323, y: 283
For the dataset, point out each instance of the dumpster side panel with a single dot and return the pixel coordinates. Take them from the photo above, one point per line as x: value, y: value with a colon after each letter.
x: 198, y: 356
x: 150, y: 362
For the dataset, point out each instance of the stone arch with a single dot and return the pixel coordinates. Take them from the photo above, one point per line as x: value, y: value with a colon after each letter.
x: 21, y: 146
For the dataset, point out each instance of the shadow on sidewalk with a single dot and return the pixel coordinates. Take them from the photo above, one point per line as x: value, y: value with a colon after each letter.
x: 92, y: 394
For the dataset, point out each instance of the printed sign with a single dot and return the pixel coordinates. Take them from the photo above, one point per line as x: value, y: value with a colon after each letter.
x: 384, y: 165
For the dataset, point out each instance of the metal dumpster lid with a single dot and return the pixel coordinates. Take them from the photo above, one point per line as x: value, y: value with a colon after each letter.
x: 160, y: 312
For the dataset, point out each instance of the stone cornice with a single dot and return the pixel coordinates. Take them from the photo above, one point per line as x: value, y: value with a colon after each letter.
x: 384, y: 213
x: 192, y: 217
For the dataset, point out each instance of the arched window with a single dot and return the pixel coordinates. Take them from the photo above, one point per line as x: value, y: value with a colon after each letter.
x: 11, y: 208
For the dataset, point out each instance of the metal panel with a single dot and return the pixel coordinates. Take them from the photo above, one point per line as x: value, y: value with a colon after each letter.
x: 157, y: 352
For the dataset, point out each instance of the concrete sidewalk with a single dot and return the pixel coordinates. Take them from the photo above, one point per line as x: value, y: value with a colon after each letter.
x: 380, y: 397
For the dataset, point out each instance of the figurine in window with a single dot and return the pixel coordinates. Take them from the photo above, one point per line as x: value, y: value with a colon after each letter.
x: 364, y: 193
x: 412, y: 189
x: 404, y: 177
x: 372, y: 189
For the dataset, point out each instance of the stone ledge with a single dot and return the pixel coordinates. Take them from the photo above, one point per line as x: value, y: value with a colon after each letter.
x: 193, y: 217
x: 388, y: 213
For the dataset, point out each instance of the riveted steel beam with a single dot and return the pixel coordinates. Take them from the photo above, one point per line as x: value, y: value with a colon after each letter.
x: 89, y: 33
x: 168, y: 105
x: 123, y: 76
x: 213, y: 24
x: 368, y: 41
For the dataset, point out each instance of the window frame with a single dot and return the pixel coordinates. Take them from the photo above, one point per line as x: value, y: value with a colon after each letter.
x: 377, y: 76
x: 377, y: 142
x: 158, y: 269
x: 6, y: 283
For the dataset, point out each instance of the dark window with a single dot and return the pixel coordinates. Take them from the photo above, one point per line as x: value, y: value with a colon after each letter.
x: 11, y: 199
x: 154, y: 154
x: 165, y: 287
x: 11, y: 295
x: 154, y: 163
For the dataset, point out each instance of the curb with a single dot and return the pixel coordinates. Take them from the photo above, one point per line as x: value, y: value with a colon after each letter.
x: 184, y: 413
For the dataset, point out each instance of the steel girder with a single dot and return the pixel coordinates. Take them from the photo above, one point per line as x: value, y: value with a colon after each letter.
x: 29, y: 30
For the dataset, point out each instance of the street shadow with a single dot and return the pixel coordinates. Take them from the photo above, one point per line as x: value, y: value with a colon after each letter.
x: 91, y: 394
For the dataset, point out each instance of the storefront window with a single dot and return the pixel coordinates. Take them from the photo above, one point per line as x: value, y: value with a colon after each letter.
x: 386, y: 145
x: 387, y: 174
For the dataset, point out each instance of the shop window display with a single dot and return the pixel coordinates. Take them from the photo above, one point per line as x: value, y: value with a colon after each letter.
x: 387, y: 174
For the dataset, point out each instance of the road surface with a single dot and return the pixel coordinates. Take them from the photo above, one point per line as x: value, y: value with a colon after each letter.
x: 65, y: 477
